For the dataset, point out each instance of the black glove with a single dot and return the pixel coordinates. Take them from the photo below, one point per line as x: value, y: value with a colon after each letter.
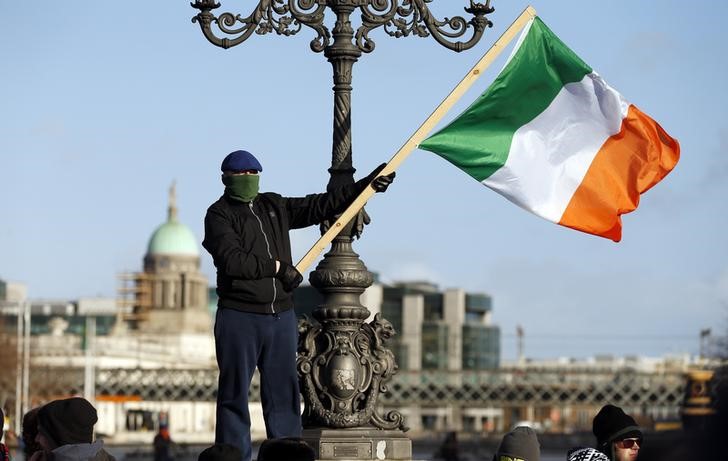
x: 289, y: 276
x: 379, y: 183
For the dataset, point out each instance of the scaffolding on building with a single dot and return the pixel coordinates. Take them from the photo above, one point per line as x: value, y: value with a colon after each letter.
x: 134, y: 297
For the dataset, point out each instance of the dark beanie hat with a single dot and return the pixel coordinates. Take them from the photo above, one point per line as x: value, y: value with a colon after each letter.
x: 68, y: 421
x: 612, y: 424
x: 240, y: 160
x: 220, y: 452
x: 520, y: 443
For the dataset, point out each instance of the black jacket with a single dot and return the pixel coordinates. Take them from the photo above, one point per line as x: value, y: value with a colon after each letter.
x: 245, y: 240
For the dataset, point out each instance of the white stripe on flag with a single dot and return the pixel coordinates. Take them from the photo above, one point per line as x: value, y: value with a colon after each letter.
x: 550, y: 155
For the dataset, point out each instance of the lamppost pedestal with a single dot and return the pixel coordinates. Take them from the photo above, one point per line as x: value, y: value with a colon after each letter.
x: 358, y: 444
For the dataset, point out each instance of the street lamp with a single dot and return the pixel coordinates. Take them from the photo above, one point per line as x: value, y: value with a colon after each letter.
x: 344, y: 364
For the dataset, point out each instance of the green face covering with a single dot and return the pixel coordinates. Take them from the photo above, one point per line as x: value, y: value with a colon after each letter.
x: 242, y: 187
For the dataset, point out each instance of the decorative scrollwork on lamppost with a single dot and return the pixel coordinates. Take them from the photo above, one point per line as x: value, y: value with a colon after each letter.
x: 286, y: 17
x: 343, y: 362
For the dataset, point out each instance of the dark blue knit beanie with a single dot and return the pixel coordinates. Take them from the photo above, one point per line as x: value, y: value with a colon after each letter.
x: 241, y: 160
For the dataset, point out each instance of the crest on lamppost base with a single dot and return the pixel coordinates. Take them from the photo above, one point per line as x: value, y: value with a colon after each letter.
x: 343, y: 371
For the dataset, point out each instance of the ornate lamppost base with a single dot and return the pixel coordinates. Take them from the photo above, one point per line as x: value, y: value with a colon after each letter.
x: 358, y: 444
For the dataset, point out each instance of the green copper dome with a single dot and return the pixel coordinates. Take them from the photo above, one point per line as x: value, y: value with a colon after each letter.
x: 173, y: 237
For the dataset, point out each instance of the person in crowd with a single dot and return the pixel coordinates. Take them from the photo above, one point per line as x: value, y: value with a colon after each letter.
x: 66, y: 432
x: 286, y: 449
x: 520, y: 444
x: 29, y: 432
x: 449, y: 450
x: 585, y: 454
x: 246, y: 233
x: 4, y: 453
x: 617, y: 434
x: 163, y: 444
x: 220, y: 452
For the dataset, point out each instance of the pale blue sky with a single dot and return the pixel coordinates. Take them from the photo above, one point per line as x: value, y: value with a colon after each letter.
x: 104, y: 104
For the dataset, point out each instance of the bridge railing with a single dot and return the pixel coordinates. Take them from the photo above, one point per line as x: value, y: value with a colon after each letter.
x: 540, y: 387
x: 430, y: 388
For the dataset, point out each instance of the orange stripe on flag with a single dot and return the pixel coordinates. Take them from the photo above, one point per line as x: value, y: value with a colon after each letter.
x: 628, y: 164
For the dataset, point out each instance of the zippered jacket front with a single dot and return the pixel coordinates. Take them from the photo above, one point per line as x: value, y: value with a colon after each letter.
x: 246, y: 238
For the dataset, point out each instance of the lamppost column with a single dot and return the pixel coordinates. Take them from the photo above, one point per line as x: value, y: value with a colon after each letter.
x: 341, y: 276
x: 342, y: 54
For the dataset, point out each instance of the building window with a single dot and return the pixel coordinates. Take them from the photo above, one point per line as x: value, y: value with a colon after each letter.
x: 434, y: 346
x: 429, y: 422
x: 139, y: 420
x: 477, y: 302
x: 469, y: 423
x: 481, y: 347
x: 433, y: 307
x: 401, y: 354
x: 392, y: 311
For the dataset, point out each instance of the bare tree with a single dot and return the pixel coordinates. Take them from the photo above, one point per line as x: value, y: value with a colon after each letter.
x: 8, y: 367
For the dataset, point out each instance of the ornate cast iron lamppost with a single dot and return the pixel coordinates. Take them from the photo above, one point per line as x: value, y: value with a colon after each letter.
x: 344, y: 363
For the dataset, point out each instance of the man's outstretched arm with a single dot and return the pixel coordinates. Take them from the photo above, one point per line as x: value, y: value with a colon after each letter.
x: 315, y: 208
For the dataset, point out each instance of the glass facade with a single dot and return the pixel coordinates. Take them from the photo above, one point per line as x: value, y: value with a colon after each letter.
x: 392, y: 311
x: 433, y: 306
x: 481, y: 347
x: 41, y: 324
x: 434, y: 346
x: 478, y: 302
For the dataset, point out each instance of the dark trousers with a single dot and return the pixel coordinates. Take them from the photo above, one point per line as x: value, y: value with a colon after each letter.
x: 242, y: 342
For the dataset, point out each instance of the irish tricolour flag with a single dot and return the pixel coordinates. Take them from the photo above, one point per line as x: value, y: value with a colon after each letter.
x: 554, y: 138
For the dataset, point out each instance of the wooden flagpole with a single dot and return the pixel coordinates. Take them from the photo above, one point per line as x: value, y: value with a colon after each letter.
x: 419, y: 135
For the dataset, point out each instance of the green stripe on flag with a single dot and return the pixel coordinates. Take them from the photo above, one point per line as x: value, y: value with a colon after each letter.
x: 479, y: 139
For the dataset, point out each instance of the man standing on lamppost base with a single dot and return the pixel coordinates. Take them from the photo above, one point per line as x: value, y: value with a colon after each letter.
x: 246, y: 232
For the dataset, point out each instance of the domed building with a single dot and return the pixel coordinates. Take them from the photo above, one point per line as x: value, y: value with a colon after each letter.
x: 170, y: 295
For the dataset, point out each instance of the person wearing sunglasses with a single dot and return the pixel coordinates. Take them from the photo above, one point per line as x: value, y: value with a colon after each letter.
x: 617, y: 433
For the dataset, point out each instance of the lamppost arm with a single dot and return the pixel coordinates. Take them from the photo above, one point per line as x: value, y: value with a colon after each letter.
x: 284, y: 17
x: 413, y: 17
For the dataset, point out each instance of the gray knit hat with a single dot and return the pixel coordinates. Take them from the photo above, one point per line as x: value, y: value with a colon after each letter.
x: 519, y: 444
